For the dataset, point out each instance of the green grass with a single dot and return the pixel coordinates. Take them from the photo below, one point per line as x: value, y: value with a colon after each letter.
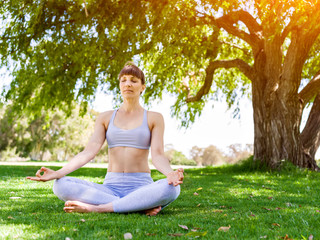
x: 256, y: 205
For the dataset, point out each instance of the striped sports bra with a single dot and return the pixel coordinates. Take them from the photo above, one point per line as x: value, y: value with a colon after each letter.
x: 139, y: 137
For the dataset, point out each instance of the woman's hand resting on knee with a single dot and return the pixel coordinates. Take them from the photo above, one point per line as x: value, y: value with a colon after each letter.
x: 48, y: 174
x: 175, y: 177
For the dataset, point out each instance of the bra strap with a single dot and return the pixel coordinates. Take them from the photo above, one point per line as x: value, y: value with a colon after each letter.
x: 145, y: 118
x: 113, y: 116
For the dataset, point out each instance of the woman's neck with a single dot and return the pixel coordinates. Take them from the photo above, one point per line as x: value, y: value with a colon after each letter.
x: 130, y: 105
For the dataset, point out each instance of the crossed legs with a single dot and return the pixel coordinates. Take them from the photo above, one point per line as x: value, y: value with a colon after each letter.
x: 83, y: 196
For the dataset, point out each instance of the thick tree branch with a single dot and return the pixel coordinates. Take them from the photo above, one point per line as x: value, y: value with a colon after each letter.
x: 227, y: 23
x: 298, y: 52
x: 249, y: 21
x: 288, y: 29
x: 244, y: 50
x: 311, y: 89
x: 235, y: 63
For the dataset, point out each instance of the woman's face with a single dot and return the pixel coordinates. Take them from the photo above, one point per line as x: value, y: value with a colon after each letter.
x: 131, y: 86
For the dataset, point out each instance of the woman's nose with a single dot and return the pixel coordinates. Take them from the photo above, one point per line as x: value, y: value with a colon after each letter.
x: 128, y: 83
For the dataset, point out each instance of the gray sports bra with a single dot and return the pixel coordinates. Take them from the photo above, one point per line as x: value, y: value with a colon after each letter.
x: 139, y: 137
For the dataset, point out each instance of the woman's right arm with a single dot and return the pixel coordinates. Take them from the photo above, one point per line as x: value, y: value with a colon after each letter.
x: 92, y: 148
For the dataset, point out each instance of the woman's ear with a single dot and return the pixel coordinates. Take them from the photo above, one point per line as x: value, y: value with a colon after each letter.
x: 143, y: 88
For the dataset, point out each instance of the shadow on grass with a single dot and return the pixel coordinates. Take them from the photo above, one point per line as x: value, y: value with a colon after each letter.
x: 233, y: 191
x: 23, y: 171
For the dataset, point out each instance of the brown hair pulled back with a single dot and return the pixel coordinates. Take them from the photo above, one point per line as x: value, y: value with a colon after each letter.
x: 131, y: 69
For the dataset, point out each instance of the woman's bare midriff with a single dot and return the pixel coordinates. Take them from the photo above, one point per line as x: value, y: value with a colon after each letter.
x: 128, y: 160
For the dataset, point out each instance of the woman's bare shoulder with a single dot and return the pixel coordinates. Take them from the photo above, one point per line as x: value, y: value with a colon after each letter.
x: 153, y: 114
x: 104, y: 117
x: 155, y: 117
x: 106, y: 113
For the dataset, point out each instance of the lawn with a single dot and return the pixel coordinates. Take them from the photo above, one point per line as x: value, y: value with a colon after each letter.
x: 227, y: 202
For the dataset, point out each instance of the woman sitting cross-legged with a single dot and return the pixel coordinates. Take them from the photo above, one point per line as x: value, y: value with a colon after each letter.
x: 128, y: 187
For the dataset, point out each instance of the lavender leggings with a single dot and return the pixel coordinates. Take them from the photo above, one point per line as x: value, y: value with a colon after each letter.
x: 128, y: 192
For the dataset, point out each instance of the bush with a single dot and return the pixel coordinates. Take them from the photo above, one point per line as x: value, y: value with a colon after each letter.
x: 178, y: 158
x: 10, y: 155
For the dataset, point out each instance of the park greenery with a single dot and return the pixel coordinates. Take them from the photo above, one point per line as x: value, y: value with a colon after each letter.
x: 51, y: 136
x: 227, y: 202
x: 63, y: 51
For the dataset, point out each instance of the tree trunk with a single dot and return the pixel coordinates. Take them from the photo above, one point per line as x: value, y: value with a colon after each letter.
x: 277, y: 135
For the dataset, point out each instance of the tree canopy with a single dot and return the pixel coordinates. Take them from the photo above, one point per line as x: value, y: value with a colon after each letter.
x: 59, y: 53
x: 196, y: 50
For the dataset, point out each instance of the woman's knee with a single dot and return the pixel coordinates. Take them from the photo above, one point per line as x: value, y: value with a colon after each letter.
x: 170, y: 191
x: 61, y: 187
x: 175, y: 191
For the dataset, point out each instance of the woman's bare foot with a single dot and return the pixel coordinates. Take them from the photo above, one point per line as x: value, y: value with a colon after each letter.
x: 153, y: 211
x: 76, y: 206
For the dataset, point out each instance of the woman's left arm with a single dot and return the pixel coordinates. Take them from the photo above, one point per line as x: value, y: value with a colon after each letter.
x: 159, y: 160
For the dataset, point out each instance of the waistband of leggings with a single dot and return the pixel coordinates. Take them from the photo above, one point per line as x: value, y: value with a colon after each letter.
x: 133, y: 174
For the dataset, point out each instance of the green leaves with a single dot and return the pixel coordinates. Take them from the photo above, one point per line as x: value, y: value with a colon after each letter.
x: 60, y: 55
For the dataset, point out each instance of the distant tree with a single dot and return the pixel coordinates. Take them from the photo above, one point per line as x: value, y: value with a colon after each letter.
x: 208, y: 156
x: 44, y: 133
x: 238, y: 152
x: 212, y: 156
x: 196, y: 154
x: 75, y: 133
x: 13, y: 134
x: 178, y: 158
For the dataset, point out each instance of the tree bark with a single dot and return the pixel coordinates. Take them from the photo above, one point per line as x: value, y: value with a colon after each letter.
x: 277, y: 134
x: 310, y: 135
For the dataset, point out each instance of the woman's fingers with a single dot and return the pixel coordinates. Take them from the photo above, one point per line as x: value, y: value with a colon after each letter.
x: 38, y: 173
x: 180, y: 177
x: 176, y: 177
x: 34, y: 178
x: 42, y: 169
x: 180, y: 173
x: 41, y: 177
x: 177, y: 183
